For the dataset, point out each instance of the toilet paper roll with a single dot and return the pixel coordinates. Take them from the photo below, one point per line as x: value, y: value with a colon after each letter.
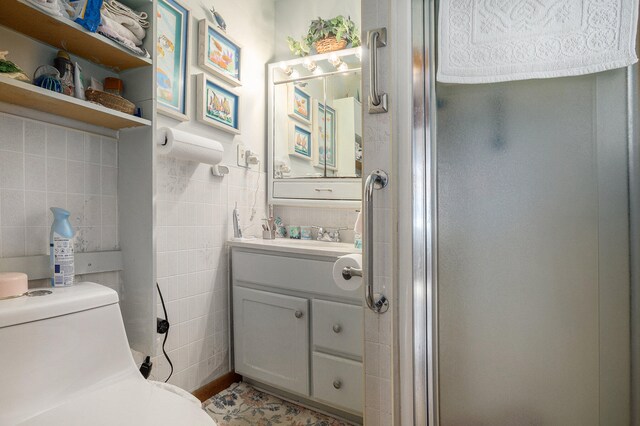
x: 187, y: 146
x: 350, y: 260
x: 12, y: 284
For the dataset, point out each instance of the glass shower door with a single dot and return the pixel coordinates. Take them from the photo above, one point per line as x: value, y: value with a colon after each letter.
x: 533, y: 248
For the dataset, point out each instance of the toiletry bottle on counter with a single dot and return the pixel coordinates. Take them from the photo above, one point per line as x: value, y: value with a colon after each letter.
x: 237, y: 231
x: 61, y: 249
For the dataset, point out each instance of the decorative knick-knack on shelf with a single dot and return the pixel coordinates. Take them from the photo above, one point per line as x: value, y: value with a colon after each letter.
x: 47, y: 77
x: 11, y: 70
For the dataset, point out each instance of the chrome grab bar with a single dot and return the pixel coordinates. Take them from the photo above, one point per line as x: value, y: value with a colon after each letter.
x: 378, y: 303
x: 377, y: 101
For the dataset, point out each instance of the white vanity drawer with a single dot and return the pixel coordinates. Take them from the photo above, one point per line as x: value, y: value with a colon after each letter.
x: 318, y: 189
x: 338, y: 327
x: 291, y: 273
x: 338, y: 382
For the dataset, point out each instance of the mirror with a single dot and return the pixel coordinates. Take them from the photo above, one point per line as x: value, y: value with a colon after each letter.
x: 317, y: 117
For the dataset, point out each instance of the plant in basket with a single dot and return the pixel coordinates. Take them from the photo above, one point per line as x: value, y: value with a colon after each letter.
x: 326, y: 35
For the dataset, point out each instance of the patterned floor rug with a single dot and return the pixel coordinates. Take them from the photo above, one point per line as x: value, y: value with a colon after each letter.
x: 241, y: 405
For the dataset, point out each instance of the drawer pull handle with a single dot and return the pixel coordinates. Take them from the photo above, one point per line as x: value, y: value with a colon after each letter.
x: 337, y: 328
x: 298, y: 314
x: 337, y: 384
x: 324, y: 189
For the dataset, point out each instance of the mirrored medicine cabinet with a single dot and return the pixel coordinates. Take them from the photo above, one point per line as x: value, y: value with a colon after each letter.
x: 315, y: 130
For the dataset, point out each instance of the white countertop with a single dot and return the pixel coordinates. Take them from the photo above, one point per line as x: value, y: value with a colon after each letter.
x: 288, y: 245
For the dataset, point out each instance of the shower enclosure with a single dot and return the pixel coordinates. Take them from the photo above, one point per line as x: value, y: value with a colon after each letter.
x: 524, y: 246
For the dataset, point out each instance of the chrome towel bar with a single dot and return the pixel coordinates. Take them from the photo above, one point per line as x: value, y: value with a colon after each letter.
x: 377, y: 101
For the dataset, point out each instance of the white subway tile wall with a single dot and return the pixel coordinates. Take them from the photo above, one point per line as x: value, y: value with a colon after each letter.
x: 193, y: 224
x: 42, y: 166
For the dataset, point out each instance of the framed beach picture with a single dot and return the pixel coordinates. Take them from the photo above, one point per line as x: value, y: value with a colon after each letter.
x: 300, y: 141
x: 172, y: 65
x: 325, y: 134
x: 218, y: 53
x: 217, y: 106
x: 299, y: 104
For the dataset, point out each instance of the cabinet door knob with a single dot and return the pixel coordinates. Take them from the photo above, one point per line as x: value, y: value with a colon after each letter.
x: 337, y: 328
x: 337, y: 384
x: 299, y: 314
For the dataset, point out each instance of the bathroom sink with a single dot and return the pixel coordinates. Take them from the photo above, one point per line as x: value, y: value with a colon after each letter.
x: 296, y: 246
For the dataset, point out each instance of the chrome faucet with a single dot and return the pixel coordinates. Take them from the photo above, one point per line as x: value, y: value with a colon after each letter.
x: 332, y: 236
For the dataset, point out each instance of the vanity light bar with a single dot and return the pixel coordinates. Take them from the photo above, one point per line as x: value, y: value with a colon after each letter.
x: 286, y: 68
x: 309, y: 64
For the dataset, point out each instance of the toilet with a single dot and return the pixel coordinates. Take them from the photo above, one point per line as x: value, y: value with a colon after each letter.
x: 65, y: 360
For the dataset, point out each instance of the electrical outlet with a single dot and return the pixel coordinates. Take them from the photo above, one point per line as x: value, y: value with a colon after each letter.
x: 242, y: 156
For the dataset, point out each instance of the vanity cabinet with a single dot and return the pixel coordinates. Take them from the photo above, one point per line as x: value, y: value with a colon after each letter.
x: 294, y: 329
x: 272, y: 337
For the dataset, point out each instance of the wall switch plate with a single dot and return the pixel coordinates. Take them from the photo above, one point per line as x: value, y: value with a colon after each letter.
x: 242, y: 156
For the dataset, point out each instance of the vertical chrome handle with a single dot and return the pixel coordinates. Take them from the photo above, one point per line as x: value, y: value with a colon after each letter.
x: 377, y: 101
x: 378, y: 179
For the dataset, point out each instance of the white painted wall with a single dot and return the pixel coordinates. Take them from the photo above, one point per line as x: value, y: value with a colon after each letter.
x: 293, y: 18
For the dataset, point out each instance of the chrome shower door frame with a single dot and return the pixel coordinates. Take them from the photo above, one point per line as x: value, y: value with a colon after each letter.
x: 418, y: 247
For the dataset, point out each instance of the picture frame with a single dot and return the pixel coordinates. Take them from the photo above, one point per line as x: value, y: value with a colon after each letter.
x: 217, y: 106
x: 299, y: 104
x: 300, y: 141
x: 219, y: 54
x: 172, y: 59
x: 329, y: 144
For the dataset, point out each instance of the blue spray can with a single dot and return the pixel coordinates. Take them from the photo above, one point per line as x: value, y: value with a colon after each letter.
x: 61, y: 249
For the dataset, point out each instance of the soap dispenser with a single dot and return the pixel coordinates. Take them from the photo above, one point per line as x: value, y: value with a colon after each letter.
x: 61, y: 249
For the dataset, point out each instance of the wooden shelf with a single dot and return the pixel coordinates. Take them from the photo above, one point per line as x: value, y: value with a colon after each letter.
x: 34, y: 97
x: 67, y: 35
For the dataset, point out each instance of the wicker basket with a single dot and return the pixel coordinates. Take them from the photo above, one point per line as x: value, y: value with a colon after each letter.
x: 330, y: 44
x: 110, y: 100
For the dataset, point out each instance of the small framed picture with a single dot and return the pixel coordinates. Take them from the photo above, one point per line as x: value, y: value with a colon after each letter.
x: 299, y: 104
x: 325, y: 136
x: 300, y: 141
x: 217, y: 106
x: 218, y: 53
x: 172, y: 64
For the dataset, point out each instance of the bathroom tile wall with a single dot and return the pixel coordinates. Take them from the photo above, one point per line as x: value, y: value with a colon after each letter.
x: 194, y: 207
x: 43, y: 165
x: 381, y: 372
x: 193, y: 225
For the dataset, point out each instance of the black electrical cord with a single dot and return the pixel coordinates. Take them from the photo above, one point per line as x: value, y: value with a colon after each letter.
x: 166, y: 335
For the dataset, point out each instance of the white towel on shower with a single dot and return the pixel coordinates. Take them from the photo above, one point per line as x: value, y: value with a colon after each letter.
x: 486, y: 41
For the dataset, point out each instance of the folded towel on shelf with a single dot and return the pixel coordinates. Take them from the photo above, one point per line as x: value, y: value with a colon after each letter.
x: 114, y: 26
x: 132, y: 25
x: 484, y: 41
x: 109, y: 33
x: 118, y: 8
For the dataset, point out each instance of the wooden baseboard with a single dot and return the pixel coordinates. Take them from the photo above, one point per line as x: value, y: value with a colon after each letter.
x: 217, y: 386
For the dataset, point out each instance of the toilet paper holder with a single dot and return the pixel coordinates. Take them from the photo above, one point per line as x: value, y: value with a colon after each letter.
x: 348, y: 272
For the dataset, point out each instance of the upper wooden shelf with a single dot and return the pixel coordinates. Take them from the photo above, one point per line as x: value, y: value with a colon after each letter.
x: 29, y: 96
x: 67, y: 35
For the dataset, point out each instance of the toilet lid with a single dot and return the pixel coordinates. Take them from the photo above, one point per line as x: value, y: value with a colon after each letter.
x: 127, y: 402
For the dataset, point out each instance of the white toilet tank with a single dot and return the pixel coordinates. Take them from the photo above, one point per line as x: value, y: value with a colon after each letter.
x: 64, y: 359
